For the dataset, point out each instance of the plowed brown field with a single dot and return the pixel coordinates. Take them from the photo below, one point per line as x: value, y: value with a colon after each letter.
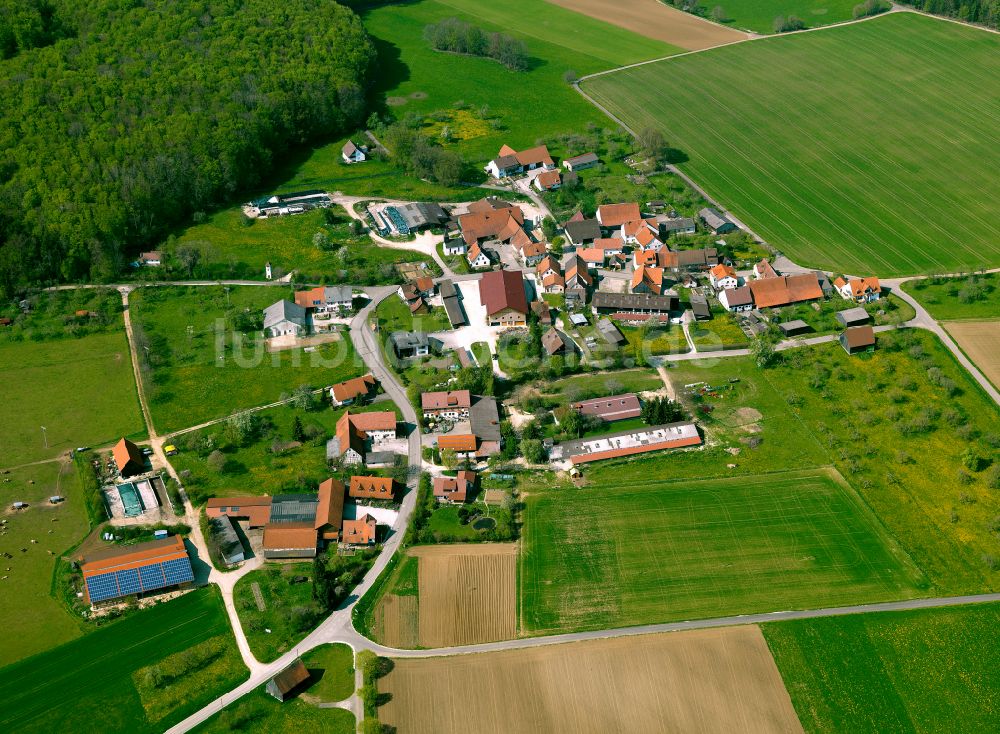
x: 653, y: 19
x: 468, y: 593
x: 721, y: 680
x: 980, y: 340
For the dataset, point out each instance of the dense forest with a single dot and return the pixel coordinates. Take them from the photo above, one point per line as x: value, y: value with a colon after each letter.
x: 985, y: 12
x: 120, y: 119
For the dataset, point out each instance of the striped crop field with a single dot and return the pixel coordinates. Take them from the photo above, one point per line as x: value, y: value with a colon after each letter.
x: 625, y: 553
x: 872, y: 147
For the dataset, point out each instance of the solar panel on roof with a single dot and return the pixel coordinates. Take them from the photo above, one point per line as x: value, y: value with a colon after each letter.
x: 151, y: 577
x: 102, y: 587
x: 178, y: 571
x: 128, y: 581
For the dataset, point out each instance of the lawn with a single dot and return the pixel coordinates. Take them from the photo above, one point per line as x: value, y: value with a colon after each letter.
x: 658, y: 340
x: 89, y: 684
x: 758, y: 15
x: 34, y: 620
x: 258, y: 712
x: 627, y: 553
x: 831, y: 163
x: 394, y: 315
x: 953, y: 299
x: 333, y: 665
x: 581, y: 387
x: 81, y: 389
x: 230, y: 249
x: 290, y: 611
x: 719, y: 332
x: 291, y: 468
x: 917, y: 671
x: 886, y: 310
x: 197, y: 369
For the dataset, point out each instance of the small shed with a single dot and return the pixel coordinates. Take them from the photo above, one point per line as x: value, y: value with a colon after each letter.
x: 578, y: 319
x: 19, y: 505
x: 56, y: 499
x: 281, y: 685
x: 794, y: 328
x: 853, y: 317
x: 700, y: 308
x: 858, y: 339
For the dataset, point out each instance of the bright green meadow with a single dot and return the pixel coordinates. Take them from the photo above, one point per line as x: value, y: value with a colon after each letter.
x: 866, y: 148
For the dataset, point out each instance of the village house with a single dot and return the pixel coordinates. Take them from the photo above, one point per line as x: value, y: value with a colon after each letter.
x: 326, y: 299
x: 647, y: 280
x: 465, y: 445
x: 859, y: 290
x: 542, y: 311
x: 478, y: 257
x: 372, y: 488
x: 678, y: 226
x: 593, y: 256
x: 357, y: 432
x: 510, y: 162
x: 455, y: 489
x: 353, y: 391
x: 531, y: 253
x: 577, y: 273
x: 353, y: 153
x: 580, y: 231
x: 502, y: 293
x: 410, y: 344
x: 547, y: 181
x: 624, y: 305
x: 547, y: 266
x: 581, y: 162
x: 699, y: 307
x: 785, y: 289
x: 453, y: 246
x: 363, y: 531
x: 453, y: 405
x: 552, y: 342
x: 285, y: 318
x: 715, y: 221
x: 688, y: 260
x: 764, y: 269
x: 723, y: 276
x: 150, y: 259
x: 613, y: 216
x: 736, y: 299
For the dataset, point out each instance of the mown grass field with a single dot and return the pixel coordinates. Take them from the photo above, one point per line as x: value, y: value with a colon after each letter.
x: 34, y: 620
x: 955, y: 299
x: 258, y: 712
x: 394, y: 315
x: 87, y: 684
x: 289, y: 610
x: 82, y: 390
x: 621, y: 553
x: 199, y: 373
x: 333, y: 668
x: 862, y: 148
x: 758, y: 15
x: 930, y: 670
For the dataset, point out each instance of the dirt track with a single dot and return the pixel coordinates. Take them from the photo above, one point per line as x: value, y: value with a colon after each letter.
x: 721, y: 680
x: 653, y: 19
x: 468, y: 594
x: 980, y: 340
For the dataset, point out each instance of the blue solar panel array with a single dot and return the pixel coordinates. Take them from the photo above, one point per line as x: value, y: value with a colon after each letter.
x: 133, y: 581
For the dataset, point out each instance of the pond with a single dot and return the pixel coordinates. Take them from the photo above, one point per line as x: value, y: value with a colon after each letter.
x: 484, y: 523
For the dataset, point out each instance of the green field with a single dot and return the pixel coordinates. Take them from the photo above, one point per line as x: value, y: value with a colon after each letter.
x: 836, y: 146
x: 620, y: 554
x: 88, y: 684
x: 82, y: 390
x: 394, y: 315
x: 759, y: 15
x: 289, y: 469
x: 932, y: 670
x: 191, y: 379
x: 906, y: 417
x: 953, y: 299
x: 232, y: 250
x: 333, y: 666
x: 290, y: 611
x: 34, y: 620
x: 258, y: 713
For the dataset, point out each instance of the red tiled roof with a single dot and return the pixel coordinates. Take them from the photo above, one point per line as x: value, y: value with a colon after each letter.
x: 631, y: 450
x: 125, y: 452
x: 143, y: 554
x: 615, y: 215
x: 311, y: 297
x: 446, y: 399
x: 548, y: 179
x: 289, y: 535
x: 463, y: 442
x: 455, y: 488
x: 353, y: 388
x: 330, y: 509
x: 359, y: 532
x: 502, y: 289
x: 371, y: 487
x: 262, y: 501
